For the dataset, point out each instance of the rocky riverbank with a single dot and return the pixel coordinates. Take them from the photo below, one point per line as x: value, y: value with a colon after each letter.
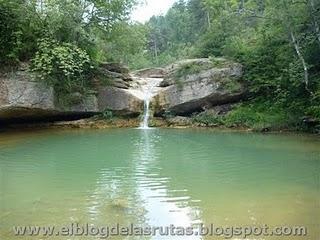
x: 184, y: 88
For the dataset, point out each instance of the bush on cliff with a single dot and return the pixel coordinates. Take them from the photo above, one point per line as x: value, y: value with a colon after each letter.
x: 63, y: 66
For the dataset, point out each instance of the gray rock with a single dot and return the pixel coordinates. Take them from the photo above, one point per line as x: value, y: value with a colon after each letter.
x: 199, y: 91
x: 205, y: 70
x: 179, y: 121
x: 119, y: 83
x: 213, y: 83
x: 115, y: 67
x: 88, y: 103
x: 151, y: 73
x: 120, y: 101
x: 18, y: 92
x: 24, y: 99
x: 220, y: 110
x: 114, y: 75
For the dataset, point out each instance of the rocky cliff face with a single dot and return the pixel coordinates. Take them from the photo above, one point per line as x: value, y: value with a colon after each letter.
x: 25, y: 99
x: 119, y: 101
x: 199, y: 84
x: 116, y: 96
x: 185, y: 87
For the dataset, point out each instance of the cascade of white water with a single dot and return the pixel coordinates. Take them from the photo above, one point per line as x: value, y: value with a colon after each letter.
x: 145, y: 89
x: 149, y: 90
x: 146, y: 114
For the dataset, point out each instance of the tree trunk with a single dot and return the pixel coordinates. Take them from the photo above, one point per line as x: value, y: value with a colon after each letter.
x: 241, y: 6
x: 303, y: 62
x: 209, y: 20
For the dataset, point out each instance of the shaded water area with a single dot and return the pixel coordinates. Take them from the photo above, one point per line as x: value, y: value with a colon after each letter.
x: 159, y: 177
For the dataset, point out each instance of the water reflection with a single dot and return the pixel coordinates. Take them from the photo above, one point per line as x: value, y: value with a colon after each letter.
x: 138, y: 193
x: 159, y: 177
x: 163, y: 206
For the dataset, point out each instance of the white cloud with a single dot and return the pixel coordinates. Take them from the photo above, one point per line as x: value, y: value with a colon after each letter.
x: 151, y: 7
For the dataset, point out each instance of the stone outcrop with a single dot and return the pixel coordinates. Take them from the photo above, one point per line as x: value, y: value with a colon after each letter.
x: 113, y: 74
x: 17, y: 90
x: 24, y: 99
x: 186, y: 87
x: 199, y: 84
x: 151, y: 73
x: 179, y: 121
x: 115, y: 96
x: 192, y: 70
x: 120, y: 101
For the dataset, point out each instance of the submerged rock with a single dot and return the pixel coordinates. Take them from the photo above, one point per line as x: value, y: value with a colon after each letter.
x: 120, y: 204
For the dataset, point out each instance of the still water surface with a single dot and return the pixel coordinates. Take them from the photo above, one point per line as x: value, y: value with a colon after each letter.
x: 159, y: 177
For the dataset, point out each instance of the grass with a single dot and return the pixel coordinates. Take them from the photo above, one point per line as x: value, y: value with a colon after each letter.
x: 231, y: 85
x: 256, y: 116
x: 220, y: 62
x: 207, y: 119
x: 189, y: 69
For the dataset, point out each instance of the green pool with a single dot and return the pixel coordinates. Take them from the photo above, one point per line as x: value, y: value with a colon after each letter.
x: 158, y: 177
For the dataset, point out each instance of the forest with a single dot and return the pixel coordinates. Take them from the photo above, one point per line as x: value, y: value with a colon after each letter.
x: 277, y: 42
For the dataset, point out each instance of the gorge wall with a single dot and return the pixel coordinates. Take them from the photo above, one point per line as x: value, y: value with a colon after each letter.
x: 185, y: 87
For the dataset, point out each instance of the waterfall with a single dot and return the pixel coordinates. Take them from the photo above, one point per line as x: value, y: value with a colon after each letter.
x: 145, y: 89
x: 146, y: 113
x: 149, y: 89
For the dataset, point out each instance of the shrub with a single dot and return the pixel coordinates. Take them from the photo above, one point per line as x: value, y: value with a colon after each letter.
x: 10, y: 33
x: 63, y: 66
x: 208, y: 119
x: 107, y: 115
x: 55, y: 62
x: 260, y: 116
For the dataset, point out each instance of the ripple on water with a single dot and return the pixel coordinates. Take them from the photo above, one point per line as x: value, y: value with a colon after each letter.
x: 160, y: 177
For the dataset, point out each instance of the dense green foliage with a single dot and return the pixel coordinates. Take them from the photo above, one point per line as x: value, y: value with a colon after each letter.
x: 64, y: 66
x: 255, y: 115
x: 277, y: 41
x: 63, y: 39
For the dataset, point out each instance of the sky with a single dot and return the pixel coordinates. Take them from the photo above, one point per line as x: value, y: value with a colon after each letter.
x: 151, y: 7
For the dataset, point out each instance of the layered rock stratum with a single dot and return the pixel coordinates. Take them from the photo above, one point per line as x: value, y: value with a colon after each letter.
x: 182, y: 88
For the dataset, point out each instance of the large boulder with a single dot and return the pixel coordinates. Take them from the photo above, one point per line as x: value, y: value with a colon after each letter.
x: 115, y: 67
x: 115, y: 70
x: 199, y: 84
x: 17, y: 90
x: 120, y: 101
x: 24, y: 99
